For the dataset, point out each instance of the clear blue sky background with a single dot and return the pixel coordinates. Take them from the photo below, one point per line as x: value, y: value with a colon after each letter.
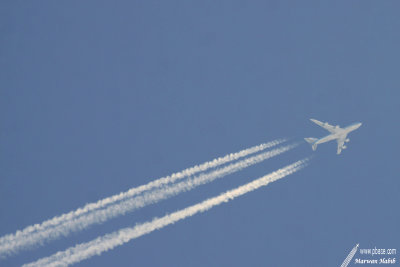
x: 97, y: 97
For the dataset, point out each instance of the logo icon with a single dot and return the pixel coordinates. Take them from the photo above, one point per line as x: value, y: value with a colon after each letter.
x: 350, y: 256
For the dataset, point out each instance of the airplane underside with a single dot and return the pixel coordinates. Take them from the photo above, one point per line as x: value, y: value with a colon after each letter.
x: 337, y: 133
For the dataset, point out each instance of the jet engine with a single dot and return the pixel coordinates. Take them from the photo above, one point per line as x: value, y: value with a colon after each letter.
x: 344, y: 147
x: 347, y: 140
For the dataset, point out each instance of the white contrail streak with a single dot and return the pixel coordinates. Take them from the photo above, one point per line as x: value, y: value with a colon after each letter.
x: 39, y: 233
x: 349, y: 257
x: 110, y: 241
x: 149, y: 197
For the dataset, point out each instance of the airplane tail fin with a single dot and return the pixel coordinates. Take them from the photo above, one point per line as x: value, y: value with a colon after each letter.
x: 312, y: 141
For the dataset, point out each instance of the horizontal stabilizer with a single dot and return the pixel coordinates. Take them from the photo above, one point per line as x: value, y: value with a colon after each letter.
x: 311, y: 140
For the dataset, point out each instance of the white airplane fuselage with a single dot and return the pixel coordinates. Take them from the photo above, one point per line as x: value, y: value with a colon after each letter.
x: 341, y: 133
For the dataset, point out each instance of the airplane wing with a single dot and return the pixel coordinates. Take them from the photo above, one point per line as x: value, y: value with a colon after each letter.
x: 340, y: 144
x: 326, y: 126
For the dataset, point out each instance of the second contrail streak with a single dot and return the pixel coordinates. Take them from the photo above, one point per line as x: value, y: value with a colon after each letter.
x: 110, y: 241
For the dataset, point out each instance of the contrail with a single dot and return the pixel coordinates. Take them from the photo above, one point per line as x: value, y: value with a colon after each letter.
x: 36, y: 234
x: 349, y: 257
x: 148, y: 197
x: 110, y: 241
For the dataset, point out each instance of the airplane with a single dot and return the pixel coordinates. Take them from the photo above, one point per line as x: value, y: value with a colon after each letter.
x: 340, y: 134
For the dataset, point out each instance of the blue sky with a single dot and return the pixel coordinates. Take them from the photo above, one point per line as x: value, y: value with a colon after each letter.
x: 97, y: 97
